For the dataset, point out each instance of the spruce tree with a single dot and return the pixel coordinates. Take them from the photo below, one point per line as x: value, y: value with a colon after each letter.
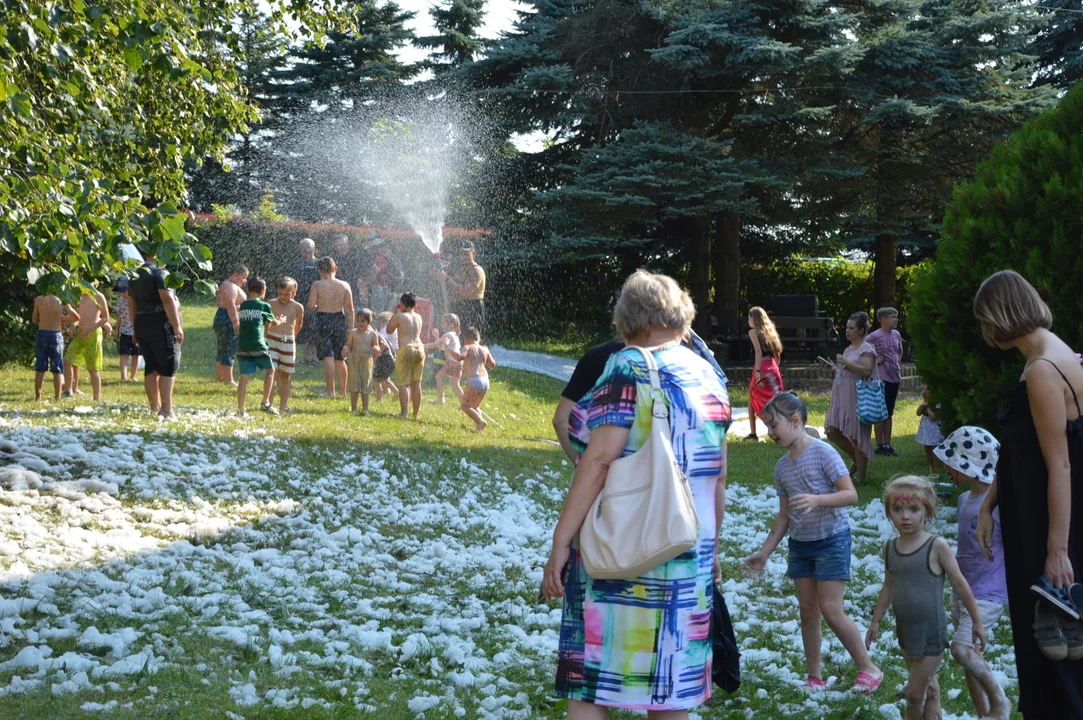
x: 259, y: 54
x: 353, y: 64
x: 1059, y: 44
x: 456, y: 40
x: 938, y: 84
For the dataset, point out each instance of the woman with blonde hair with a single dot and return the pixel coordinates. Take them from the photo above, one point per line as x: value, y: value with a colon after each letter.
x: 766, y: 379
x: 642, y: 643
x: 1039, y: 490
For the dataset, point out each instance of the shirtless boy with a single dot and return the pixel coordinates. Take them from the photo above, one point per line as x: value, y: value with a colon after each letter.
x: 86, y: 346
x: 410, y: 360
x: 282, y: 338
x: 332, y: 301
x: 477, y: 362
x: 49, y: 344
x: 361, y: 349
x: 231, y: 294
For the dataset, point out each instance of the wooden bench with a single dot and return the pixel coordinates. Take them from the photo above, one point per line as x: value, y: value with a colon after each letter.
x: 815, y: 334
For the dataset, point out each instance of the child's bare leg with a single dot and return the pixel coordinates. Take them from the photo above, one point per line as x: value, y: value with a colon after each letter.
x: 39, y: 381
x: 752, y: 421
x: 329, y: 376
x: 456, y: 387
x: 415, y: 397
x: 133, y: 370
x: 268, y: 386
x: 922, y: 675
x: 986, y: 693
x: 242, y: 390
x: 353, y: 401
x: 829, y: 595
x: 285, y: 386
x: 469, y: 406
x: 96, y: 383
x: 441, y: 376
x: 391, y: 387
x: 58, y: 385
x: 811, y: 628
x: 404, y: 400
x: 930, y: 458
x: 364, y: 403
x: 340, y: 368
x: 124, y: 368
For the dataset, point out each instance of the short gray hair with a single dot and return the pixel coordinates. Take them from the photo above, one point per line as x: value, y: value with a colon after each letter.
x: 308, y: 243
x: 652, y: 299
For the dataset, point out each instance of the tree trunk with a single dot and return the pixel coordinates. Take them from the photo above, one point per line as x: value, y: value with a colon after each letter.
x: 727, y: 273
x: 699, y: 275
x: 884, y: 278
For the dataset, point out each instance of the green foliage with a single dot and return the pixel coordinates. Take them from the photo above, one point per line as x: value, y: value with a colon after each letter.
x: 102, y: 104
x: 1022, y: 212
x: 268, y: 209
x: 1059, y: 45
x: 456, y: 41
x: 843, y: 287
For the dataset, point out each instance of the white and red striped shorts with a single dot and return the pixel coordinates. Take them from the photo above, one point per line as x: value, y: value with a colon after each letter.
x: 283, y: 351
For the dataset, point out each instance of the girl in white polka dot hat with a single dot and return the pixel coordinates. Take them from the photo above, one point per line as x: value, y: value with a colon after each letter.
x: 970, y: 455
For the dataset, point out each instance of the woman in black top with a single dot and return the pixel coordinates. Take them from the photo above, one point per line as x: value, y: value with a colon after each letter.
x: 1039, y: 488
x: 157, y: 324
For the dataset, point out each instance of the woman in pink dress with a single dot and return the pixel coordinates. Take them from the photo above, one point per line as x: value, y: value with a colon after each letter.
x: 841, y: 424
x: 766, y: 378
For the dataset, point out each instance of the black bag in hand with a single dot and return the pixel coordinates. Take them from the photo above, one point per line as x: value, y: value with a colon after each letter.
x: 726, y: 662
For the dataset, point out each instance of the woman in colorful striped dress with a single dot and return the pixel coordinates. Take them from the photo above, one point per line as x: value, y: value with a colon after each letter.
x: 642, y: 643
x: 766, y: 379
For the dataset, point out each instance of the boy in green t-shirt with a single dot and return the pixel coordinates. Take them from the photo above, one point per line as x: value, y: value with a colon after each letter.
x: 255, y: 317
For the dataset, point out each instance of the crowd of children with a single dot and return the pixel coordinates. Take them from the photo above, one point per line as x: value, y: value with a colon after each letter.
x: 811, y: 479
x: 263, y: 338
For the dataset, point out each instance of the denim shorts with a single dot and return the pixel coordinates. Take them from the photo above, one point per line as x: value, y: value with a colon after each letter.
x: 826, y: 559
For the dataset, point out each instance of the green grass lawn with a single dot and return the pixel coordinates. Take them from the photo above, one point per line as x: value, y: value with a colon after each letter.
x: 322, y: 565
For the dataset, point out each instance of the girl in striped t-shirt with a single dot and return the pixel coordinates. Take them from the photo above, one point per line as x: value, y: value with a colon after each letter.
x: 814, y: 488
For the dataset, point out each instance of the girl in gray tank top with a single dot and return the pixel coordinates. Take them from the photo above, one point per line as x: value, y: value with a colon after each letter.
x: 915, y: 566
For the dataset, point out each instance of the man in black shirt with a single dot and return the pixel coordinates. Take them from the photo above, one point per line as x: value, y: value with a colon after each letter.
x: 590, y: 368
x: 156, y: 320
x: 586, y: 374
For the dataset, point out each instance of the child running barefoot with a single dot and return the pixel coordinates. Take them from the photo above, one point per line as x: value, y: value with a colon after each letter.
x: 970, y: 455
x: 477, y: 361
x: 915, y: 564
x: 452, y: 369
x: 384, y: 365
x: 362, y: 345
x: 814, y: 488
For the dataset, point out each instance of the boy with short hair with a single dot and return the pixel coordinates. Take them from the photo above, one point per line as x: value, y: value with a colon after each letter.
x: 124, y: 333
x: 49, y: 344
x: 970, y: 456
x: 86, y: 347
x: 410, y: 359
x: 254, y: 318
x: 888, y: 344
x: 362, y: 345
x: 282, y: 338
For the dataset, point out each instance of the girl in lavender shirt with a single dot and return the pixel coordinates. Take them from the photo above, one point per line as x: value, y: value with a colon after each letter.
x: 970, y: 455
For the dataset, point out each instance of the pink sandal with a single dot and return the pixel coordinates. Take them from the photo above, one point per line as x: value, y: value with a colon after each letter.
x: 867, y: 683
x: 814, y: 684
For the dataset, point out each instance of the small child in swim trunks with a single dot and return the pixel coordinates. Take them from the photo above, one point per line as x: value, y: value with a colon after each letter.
x: 452, y: 369
x: 49, y: 343
x: 477, y: 361
x: 282, y: 338
x: 362, y: 345
x: 384, y: 366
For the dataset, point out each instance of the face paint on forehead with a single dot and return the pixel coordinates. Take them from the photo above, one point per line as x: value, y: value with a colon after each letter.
x: 907, y: 500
